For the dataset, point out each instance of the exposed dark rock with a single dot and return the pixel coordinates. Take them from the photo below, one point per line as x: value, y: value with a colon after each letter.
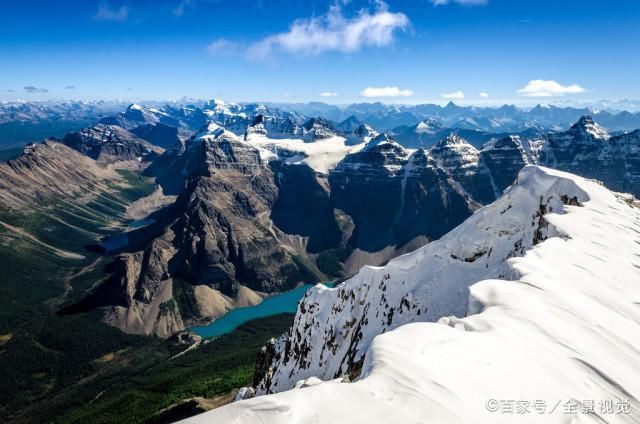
x: 108, y: 143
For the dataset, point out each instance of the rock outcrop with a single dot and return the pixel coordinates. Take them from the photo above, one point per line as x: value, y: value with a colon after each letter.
x: 110, y: 143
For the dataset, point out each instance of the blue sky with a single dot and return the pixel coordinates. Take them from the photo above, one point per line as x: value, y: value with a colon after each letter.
x: 405, y: 51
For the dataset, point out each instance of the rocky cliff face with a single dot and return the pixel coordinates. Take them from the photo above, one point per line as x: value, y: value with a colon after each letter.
x: 394, y: 196
x: 464, y: 165
x: 273, y: 126
x: 317, y: 129
x: 242, y: 222
x: 110, y: 143
x: 221, y: 241
x: 504, y: 158
x: 161, y: 135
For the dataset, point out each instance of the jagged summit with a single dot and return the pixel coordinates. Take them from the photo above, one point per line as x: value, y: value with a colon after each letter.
x: 318, y: 128
x: 385, y: 141
x: 588, y: 127
x: 210, y: 131
x: 454, y: 153
x: 452, y: 139
x: 363, y: 133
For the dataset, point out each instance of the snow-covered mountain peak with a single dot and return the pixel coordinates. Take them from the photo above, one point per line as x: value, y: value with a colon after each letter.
x: 428, y: 126
x: 317, y: 128
x: 143, y: 113
x: 587, y: 126
x: 452, y: 140
x: 455, y: 154
x: 211, y: 131
x: 383, y: 141
x: 547, y: 279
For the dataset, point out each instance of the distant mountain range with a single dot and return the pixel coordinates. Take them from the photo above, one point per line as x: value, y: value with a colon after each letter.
x: 413, y: 125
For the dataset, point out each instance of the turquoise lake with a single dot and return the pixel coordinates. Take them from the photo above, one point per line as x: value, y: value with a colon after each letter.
x: 286, y: 302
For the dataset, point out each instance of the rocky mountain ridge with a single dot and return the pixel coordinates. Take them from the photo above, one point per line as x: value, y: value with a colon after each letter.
x: 109, y: 143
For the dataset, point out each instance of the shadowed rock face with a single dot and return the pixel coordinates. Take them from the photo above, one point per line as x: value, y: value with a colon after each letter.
x: 318, y: 128
x: 394, y: 196
x: 108, y: 143
x: 504, y: 158
x: 463, y: 163
x: 159, y: 135
x: 304, y: 207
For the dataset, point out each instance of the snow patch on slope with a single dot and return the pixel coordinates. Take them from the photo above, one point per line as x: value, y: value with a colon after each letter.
x: 321, y: 155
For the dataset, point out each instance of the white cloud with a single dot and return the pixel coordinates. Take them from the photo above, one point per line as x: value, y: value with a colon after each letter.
x: 458, y: 95
x: 385, y: 92
x: 223, y: 47
x: 106, y: 13
x: 328, y: 94
x: 462, y: 2
x: 334, y: 32
x: 182, y: 7
x: 549, y: 88
x: 484, y: 95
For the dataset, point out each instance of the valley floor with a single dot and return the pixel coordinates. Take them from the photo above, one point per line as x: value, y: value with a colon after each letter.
x: 75, y: 368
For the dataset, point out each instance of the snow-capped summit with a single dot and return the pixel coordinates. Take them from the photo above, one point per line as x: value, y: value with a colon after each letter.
x: 533, y: 300
x: 430, y: 125
x: 318, y: 128
x: 383, y: 140
x: 136, y: 115
x: 273, y: 127
x: 363, y: 133
x: 453, y: 152
x: 586, y: 126
x: 210, y: 131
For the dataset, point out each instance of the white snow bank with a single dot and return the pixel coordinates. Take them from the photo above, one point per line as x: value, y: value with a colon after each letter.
x: 321, y: 155
x: 559, y: 345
